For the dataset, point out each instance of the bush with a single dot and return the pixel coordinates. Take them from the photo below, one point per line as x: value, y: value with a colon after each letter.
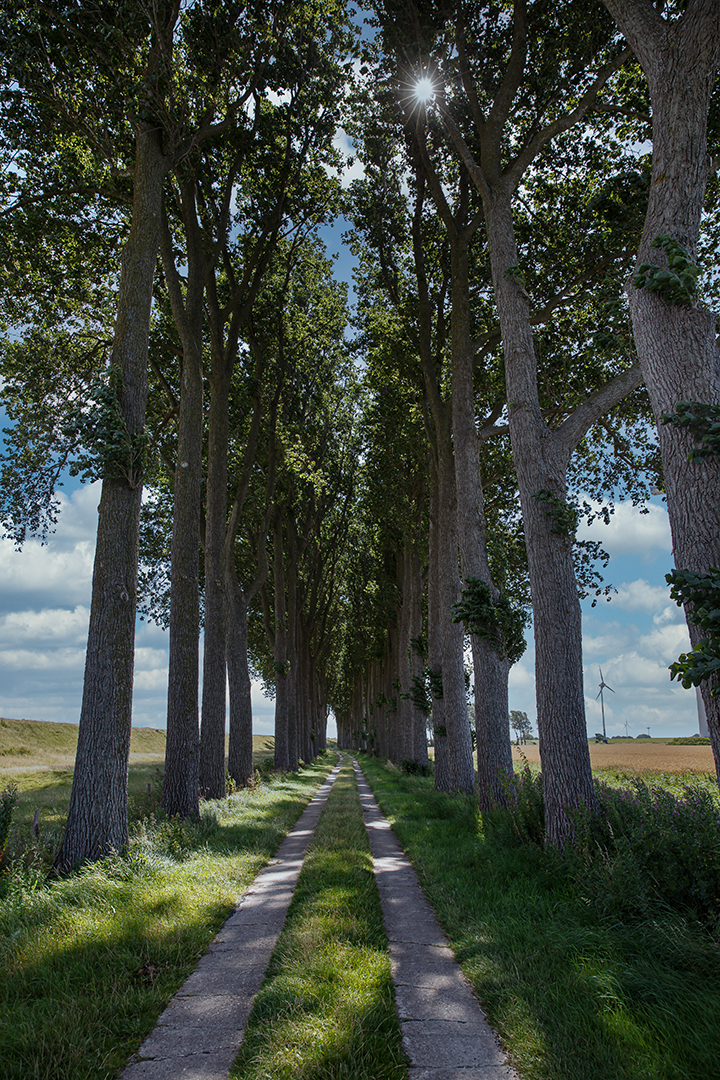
x: 649, y: 850
x: 657, y: 847
x: 8, y: 799
x: 522, y: 819
x: 414, y: 768
x: 172, y: 837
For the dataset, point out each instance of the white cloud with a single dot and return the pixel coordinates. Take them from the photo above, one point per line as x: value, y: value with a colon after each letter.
x: 355, y: 170
x: 635, y: 665
x: 666, y: 642
x: 35, y: 660
x: 640, y: 596
x: 155, y: 679
x: 52, y: 626
x: 57, y: 574
x: 630, y: 532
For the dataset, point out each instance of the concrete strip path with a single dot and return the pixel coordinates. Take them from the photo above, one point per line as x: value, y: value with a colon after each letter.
x: 199, y: 1034
x: 444, y: 1031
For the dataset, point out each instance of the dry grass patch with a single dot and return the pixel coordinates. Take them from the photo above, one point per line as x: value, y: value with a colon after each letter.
x: 636, y: 757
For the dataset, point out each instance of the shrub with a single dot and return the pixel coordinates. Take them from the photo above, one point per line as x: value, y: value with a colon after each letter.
x: 522, y: 819
x: 657, y: 848
x: 649, y: 850
x: 8, y: 800
x: 414, y: 768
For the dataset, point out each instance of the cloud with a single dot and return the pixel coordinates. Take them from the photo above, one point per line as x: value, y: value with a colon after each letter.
x: 352, y: 168
x: 57, y: 574
x: 51, y: 626
x: 635, y: 665
x: 630, y: 532
x: 640, y: 595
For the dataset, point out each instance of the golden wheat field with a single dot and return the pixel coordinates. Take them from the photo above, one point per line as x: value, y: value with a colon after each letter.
x: 637, y: 757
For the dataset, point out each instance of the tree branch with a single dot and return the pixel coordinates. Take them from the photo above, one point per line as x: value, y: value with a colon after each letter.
x: 528, y: 154
x: 581, y: 419
x: 512, y: 80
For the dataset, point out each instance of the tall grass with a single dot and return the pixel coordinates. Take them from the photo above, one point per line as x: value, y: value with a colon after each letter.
x: 88, y: 962
x: 326, y: 1009
x: 577, y: 990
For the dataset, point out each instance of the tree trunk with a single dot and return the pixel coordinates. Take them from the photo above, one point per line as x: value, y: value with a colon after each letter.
x: 97, y: 818
x: 240, y: 749
x: 417, y: 661
x: 676, y: 344
x: 541, y: 465
x: 282, y: 747
x: 181, y: 778
x: 405, y: 705
x: 492, y: 718
x: 296, y: 743
x: 459, y: 741
x: 435, y: 651
x: 212, y: 732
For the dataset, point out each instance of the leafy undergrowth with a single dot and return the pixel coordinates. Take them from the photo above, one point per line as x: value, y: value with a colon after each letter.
x: 326, y: 1008
x: 88, y: 962
x: 578, y: 990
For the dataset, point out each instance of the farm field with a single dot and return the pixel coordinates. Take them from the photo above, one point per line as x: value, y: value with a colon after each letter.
x: 31, y: 745
x: 636, y: 757
x: 38, y: 757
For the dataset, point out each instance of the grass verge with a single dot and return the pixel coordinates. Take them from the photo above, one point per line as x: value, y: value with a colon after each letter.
x: 87, y: 963
x: 326, y: 1008
x: 575, y: 993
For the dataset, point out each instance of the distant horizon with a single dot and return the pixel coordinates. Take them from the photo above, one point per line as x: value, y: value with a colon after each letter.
x: 271, y: 734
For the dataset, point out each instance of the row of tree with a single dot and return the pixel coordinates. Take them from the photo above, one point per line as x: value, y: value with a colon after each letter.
x: 531, y: 122
x: 340, y: 517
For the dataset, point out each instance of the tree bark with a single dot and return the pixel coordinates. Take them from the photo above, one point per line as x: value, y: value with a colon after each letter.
x: 282, y: 743
x: 419, y: 751
x: 212, y: 731
x: 676, y: 344
x: 435, y: 650
x: 541, y: 465
x: 181, y: 778
x: 492, y: 717
x: 460, y: 770
x: 240, y: 748
x: 97, y: 821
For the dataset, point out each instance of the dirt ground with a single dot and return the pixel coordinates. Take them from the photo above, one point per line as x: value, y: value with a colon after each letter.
x: 637, y: 757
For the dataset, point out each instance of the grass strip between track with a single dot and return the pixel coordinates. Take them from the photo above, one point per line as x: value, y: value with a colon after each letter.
x: 326, y: 1009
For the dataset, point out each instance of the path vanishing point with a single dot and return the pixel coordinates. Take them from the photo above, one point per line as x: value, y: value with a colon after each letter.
x: 444, y: 1031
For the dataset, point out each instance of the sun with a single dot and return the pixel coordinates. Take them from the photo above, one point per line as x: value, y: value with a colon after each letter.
x: 424, y: 90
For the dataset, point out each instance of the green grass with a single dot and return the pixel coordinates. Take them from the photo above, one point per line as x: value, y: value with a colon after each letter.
x: 44, y: 784
x: 574, y: 995
x: 89, y: 962
x: 326, y: 1008
x: 675, y: 782
x: 44, y: 741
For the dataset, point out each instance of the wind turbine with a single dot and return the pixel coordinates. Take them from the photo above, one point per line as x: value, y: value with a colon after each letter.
x: 603, y: 686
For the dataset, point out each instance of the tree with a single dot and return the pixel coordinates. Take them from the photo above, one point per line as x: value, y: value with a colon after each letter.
x: 499, y: 117
x: 60, y: 59
x: 679, y: 50
x: 521, y: 725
